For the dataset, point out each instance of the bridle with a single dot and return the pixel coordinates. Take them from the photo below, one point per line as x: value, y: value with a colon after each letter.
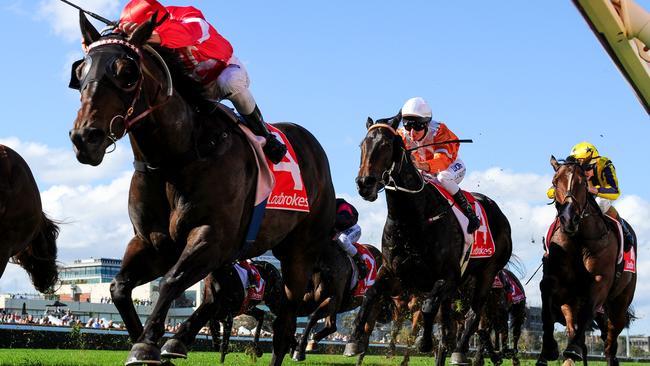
x: 571, y: 198
x: 387, y: 179
x: 127, y: 117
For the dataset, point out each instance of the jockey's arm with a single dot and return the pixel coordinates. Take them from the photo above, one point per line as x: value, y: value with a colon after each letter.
x: 440, y: 162
x: 348, y: 237
x: 609, y: 187
x: 175, y: 33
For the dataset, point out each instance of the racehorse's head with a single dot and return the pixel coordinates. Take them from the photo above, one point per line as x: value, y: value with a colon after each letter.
x: 377, y: 156
x: 571, y: 193
x: 109, y: 79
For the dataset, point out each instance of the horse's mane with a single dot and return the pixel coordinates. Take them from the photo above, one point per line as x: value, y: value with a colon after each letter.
x: 185, y: 85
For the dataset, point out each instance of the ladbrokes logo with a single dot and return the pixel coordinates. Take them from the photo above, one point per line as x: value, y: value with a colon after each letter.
x: 293, y: 200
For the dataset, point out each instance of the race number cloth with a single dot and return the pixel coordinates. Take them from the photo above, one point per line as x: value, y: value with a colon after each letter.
x: 289, y: 192
x: 629, y: 257
x: 481, y: 241
x: 516, y: 294
x: 363, y: 284
x: 256, y: 292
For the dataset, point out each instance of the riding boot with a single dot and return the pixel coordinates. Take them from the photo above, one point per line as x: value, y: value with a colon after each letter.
x: 628, y: 238
x: 274, y: 149
x: 361, y: 266
x: 474, y: 222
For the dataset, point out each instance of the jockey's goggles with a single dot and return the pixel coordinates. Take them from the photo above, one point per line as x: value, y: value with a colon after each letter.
x: 414, y: 125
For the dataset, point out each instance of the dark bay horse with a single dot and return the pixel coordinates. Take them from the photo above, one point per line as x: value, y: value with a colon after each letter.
x: 27, y: 235
x: 580, y: 275
x: 499, y: 310
x: 422, y: 241
x: 231, y: 302
x: 193, y: 190
x: 330, y: 292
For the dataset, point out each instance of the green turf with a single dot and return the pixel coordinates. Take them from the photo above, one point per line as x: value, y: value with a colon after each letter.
x: 41, y: 357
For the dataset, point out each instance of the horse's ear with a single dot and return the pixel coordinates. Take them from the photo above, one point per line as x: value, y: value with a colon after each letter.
x: 395, y: 120
x: 88, y: 32
x: 142, y: 34
x: 554, y: 163
x: 369, y: 122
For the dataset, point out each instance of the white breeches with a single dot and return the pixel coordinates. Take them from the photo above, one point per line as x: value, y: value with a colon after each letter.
x: 604, y: 204
x: 450, y: 178
x: 347, y: 237
x: 232, y: 84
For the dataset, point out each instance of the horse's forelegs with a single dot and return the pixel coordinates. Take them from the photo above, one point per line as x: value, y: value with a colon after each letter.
x: 370, y: 302
x: 550, y: 350
x: 258, y: 314
x: 200, y: 256
x: 176, y: 347
x: 225, y: 342
x: 299, y: 353
x: 141, y: 264
x: 296, y: 272
x: 330, y: 327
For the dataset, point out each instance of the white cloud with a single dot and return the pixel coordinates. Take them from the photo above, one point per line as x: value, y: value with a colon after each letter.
x: 64, y: 19
x: 60, y: 166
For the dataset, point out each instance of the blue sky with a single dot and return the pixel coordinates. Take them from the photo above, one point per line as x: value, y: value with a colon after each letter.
x: 524, y: 80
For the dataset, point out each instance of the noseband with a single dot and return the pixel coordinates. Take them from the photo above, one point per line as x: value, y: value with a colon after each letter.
x: 387, y: 179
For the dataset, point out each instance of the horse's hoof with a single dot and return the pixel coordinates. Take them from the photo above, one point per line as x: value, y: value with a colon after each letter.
x: 258, y: 352
x: 573, y: 352
x: 458, y: 358
x: 424, y: 344
x: 311, y: 346
x: 351, y: 349
x: 297, y: 356
x: 143, y: 354
x: 515, y: 362
x: 173, y: 348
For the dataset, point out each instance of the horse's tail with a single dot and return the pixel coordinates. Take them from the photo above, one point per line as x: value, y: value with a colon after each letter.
x: 515, y: 264
x: 629, y: 316
x: 39, y: 259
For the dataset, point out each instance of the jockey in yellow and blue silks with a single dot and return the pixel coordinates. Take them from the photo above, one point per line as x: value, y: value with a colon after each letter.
x: 603, y: 183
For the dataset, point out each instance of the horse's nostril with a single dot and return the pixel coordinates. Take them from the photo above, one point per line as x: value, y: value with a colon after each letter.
x: 367, y: 181
x: 95, y: 136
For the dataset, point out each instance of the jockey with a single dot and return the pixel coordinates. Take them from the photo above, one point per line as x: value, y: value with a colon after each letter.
x: 348, y: 232
x: 603, y: 183
x: 208, y: 55
x: 438, y: 161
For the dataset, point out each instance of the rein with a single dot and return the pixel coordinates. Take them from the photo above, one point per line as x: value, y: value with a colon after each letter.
x: 387, y: 176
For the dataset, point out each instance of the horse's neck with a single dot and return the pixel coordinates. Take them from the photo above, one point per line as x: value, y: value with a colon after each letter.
x: 166, y: 133
x: 594, y: 226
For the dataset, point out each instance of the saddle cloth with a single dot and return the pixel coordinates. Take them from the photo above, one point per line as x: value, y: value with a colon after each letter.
x: 250, y: 293
x: 371, y: 266
x: 628, y: 257
x: 481, y: 242
x: 281, y: 183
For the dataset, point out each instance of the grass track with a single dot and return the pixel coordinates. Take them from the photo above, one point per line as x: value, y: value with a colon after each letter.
x: 42, y: 357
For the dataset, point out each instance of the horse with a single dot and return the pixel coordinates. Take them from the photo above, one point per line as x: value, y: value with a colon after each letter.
x: 499, y: 309
x: 330, y: 292
x: 580, y: 275
x: 27, y: 235
x: 422, y: 240
x: 193, y: 191
x: 232, y: 302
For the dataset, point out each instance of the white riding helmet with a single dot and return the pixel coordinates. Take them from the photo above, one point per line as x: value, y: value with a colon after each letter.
x: 417, y: 107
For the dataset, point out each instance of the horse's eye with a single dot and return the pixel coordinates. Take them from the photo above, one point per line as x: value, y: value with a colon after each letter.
x: 126, y: 72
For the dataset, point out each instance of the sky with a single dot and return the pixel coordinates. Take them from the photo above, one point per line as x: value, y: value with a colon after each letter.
x: 524, y: 80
